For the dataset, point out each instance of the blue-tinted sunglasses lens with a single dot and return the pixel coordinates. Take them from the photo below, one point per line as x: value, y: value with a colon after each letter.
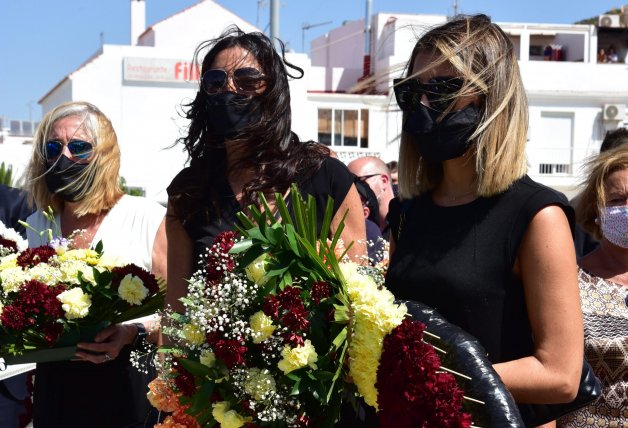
x: 80, y: 149
x: 53, y: 149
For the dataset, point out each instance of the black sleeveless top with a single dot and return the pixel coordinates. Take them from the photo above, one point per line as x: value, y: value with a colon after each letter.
x: 332, y: 179
x: 459, y: 260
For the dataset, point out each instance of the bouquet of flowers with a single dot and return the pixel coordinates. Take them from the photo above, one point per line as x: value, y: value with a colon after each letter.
x: 279, y: 328
x: 54, y: 295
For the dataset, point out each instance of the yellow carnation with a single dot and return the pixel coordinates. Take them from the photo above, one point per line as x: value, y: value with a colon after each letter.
x: 207, y: 357
x: 262, y: 326
x: 132, y: 290
x: 259, y: 384
x: 90, y: 257
x: 8, y: 261
x: 193, y: 334
x: 75, y: 303
x: 109, y: 261
x: 13, y: 278
x: 227, y: 418
x: 295, y: 358
x: 256, y: 271
x: 375, y: 316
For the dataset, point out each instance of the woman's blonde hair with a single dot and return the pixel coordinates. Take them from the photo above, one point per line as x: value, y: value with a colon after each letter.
x: 484, y: 56
x: 98, y: 185
x: 592, y: 198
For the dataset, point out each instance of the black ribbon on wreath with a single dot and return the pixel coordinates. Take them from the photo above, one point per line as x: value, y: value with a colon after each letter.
x: 467, y: 356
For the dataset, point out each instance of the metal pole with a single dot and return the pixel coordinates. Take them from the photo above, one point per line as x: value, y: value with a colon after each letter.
x: 274, y: 22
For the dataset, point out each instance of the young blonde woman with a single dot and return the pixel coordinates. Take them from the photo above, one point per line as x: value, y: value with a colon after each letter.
x: 473, y: 236
x: 74, y: 169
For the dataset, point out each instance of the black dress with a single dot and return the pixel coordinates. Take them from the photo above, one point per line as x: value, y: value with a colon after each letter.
x: 332, y: 179
x: 459, y: 260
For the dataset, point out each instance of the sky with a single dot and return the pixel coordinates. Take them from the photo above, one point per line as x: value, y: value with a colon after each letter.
x: 42, y: 41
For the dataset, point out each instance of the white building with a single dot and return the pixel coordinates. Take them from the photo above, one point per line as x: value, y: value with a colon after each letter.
x: 573, y: 99
x: 142, y: 86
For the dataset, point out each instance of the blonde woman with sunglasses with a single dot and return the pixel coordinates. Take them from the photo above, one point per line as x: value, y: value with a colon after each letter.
x: 473, y: 236
x: 74, y: 169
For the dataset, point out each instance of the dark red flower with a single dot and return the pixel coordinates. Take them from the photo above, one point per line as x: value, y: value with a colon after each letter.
x: 52, y: 332
x: 320, y: 290
x: 231, y: 352
x: 290, y: 297
x: 294, y: 340
x: 8, y: 243
x: 296, y: 318
x: 271, y: 307
x: 184, y: 381
x: 33, y: 256
x: 13, y: 318
x: 147, y: 278
x: 303, y: 420
x: 411, y: 390
x: 219, y: 259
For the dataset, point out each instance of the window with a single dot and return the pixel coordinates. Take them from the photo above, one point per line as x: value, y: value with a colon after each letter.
x: 347, y: 128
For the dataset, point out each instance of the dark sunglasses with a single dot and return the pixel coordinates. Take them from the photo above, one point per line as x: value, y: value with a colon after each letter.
x: 440, y: 92
x: 246, y: 80
x: 78, y: 148
x: 366, y: 177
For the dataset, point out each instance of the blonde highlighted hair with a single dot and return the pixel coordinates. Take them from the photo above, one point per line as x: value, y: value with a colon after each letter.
x: 483, y: 55
x: 592, y: 198
x: 102, y: 170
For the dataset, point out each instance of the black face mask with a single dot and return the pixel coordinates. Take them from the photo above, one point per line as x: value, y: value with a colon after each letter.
x: 444, y: 140
x: 64, y: 172
x: 230, y: 113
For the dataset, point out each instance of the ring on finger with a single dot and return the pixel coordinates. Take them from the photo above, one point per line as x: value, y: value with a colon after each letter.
x: 107, y: 358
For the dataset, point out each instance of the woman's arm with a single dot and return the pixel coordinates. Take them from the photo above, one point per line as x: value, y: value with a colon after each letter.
x: 355, y: 229
x: 546, y: 264
x: 180, y: 263
x: 159, y: 253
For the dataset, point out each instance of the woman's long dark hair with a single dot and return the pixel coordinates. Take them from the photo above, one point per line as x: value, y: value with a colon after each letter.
x: 268, y: 146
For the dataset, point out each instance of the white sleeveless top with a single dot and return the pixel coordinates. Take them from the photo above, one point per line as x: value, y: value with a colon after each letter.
x: 128, y: 230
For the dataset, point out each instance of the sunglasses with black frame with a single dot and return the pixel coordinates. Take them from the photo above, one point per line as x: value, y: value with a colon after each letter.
x: 78, y: 148
x: 247, y: 80
x: 440, y: 92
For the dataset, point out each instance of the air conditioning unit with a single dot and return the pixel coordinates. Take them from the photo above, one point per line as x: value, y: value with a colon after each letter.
x: 608, y: 21
x: 624, y: 19
x: 614, y: 112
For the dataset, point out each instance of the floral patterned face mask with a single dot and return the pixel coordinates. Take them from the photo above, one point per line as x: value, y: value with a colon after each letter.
x: 614, y: 224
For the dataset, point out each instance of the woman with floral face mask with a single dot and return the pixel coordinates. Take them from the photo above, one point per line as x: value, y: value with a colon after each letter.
x: 602, y: 210
x: 240, y: 144
x: 473, y: 236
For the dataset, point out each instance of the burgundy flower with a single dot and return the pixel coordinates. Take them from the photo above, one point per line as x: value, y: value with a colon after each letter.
x: 296, y: 318
x: 9, y: 244
x: 320, y: 290
x: 271, y: 307
x: 231, y: 352
x: 13, y: 318
x: 219, y: 259
x: 290, y: 297
x: 294, y: 340
x: 185, y: 382
x: 411, y: 390
x: 147, y: 278
x: 52, y: 331
x: 33, y: 256
x: 303, y: 420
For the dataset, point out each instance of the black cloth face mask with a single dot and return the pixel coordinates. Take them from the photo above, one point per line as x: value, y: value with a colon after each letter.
x: 64, y: 172
x: 230, y: 113
x: 444, y: 140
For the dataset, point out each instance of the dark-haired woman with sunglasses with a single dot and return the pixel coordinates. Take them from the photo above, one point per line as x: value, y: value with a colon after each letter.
x: 74, y: 169
x: 240, y: 144
x: 473, y: 236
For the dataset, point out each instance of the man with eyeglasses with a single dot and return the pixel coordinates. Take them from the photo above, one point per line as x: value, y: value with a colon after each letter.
x: 374, y: 172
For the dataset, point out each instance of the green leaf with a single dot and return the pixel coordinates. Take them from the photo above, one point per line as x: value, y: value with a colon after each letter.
x: 282, y: 208
x: 296, y: 388
x: 327, y: 218
x: 99, y: 248
x: 194, y: 367
x: 202, y: 398
x: 241, y: 246
x: 340, y: 339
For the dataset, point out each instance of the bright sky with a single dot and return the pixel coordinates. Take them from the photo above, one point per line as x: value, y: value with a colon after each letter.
x: 43, y: 41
